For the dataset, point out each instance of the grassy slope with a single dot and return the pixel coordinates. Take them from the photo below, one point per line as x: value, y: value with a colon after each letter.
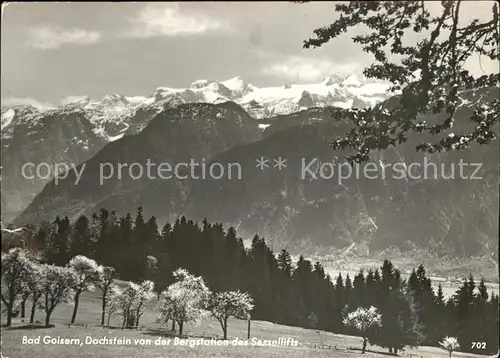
x: 89, y: 314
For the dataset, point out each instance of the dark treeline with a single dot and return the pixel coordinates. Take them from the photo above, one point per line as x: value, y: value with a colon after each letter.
x: 299, y: 294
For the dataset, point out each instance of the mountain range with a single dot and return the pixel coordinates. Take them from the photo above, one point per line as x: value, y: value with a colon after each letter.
x: 76, y: 130
x: 443, y: 215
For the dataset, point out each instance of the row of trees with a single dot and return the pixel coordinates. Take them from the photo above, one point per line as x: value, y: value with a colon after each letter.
x: 48, y: 285
x: 188, y: 299
x: 296, y: 293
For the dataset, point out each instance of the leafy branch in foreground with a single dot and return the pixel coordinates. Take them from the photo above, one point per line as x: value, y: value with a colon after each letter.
x: 428, y: 76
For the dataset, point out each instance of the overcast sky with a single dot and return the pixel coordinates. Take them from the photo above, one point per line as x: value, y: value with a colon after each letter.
x: 54, y: 50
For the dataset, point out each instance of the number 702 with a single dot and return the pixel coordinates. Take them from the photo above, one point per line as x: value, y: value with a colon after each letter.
x: 478, y: 345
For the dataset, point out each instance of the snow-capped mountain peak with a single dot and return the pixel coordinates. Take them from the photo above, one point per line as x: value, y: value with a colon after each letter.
x: 235, y: 83
x: 115, y: 99
x: 333, y: 79
x: 200, y: 84
x: 76, y: 100
x: 7, y: 117
x: 111, y: 115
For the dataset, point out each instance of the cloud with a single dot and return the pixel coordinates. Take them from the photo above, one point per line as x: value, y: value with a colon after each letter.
x: 18, y: 101
x: 72, y: 99
x: 307, y: 68
x: 167, y: 20
x: 52, y: 37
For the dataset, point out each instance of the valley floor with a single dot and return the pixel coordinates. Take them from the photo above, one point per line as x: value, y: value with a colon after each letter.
x: 89, y: 316
x: 447, y: 271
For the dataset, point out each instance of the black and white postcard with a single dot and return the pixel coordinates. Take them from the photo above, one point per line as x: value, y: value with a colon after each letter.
x: 250, y: 179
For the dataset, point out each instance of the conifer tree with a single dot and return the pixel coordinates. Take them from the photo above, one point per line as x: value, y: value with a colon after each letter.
x: 359, y: 290
x: 80, y: 242
x: 285, y: 262
x: 400, y: 324
x: 58, y: 242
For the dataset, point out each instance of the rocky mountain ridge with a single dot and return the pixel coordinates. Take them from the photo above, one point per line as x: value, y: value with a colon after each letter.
x: 291, y: 210
x: 76, y: 130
